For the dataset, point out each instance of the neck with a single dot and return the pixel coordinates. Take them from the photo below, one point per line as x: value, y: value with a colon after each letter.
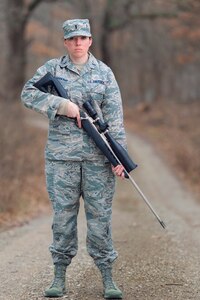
x: 80, y: 60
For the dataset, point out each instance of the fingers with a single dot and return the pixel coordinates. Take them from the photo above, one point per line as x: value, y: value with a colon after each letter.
x: 119, y: 171
x: 73, y: 112
x: 78, y: 118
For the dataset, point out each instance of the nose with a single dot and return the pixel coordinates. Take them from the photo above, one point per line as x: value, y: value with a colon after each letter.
x: 78, y: 40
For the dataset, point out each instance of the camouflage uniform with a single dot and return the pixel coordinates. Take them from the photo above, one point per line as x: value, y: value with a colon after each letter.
x: 74, y: 165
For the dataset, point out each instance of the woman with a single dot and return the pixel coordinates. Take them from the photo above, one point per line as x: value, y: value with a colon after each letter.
x: 74, y: 166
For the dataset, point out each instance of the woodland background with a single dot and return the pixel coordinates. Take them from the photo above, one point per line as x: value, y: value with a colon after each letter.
x: 153, y: 48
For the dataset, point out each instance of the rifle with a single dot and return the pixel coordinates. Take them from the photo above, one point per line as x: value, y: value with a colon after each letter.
x: 98, y: 130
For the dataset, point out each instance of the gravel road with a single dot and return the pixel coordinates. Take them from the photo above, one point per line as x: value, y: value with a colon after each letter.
x: 153, y: 263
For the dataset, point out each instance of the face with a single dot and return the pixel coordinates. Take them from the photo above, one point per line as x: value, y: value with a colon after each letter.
x: 77, y: 47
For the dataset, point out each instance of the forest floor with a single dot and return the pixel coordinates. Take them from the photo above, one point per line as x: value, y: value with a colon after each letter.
x: 173, y: 129
x: 23, y: 194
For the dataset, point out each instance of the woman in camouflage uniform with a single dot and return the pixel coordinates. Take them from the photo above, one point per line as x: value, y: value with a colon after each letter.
x: 74, y: 166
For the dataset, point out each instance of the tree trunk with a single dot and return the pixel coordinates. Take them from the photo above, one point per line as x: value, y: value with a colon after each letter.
x: 16, y: 54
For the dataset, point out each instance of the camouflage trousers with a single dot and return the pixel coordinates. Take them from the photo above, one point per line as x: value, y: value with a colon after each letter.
x: 67, y: 181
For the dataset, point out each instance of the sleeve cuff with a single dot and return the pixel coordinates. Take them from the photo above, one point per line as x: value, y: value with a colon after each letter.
x: 62, y: 109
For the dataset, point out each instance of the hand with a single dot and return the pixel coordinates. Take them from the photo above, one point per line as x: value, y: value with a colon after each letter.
x: 118, y: 171
x: 73, y: 112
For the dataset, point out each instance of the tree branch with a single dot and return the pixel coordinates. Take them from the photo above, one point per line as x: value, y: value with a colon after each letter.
x: 154, y: 15
x: 33, y: 4
x: 31, y: 7
x: 138, y: 14
x: 113, y: 24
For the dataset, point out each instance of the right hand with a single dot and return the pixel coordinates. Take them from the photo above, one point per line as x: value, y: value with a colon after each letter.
x: 118, y: 171
x: 73, y: 112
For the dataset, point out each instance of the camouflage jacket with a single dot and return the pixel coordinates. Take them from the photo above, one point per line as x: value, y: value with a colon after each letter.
x: 95, y: 81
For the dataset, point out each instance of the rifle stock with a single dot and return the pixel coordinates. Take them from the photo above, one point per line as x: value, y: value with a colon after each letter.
x: 49, y: 84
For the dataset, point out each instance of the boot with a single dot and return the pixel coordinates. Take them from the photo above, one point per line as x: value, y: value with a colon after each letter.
x: 57, y: 289
x: 111, y: 291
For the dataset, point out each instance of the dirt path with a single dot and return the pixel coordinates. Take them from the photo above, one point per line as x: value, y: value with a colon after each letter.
x: 153, y: 263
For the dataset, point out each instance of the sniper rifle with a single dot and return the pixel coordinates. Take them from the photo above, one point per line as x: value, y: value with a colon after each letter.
x: 98, y: 130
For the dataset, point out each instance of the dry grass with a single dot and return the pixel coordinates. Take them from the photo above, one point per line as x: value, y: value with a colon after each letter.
x: 23, y: 194
x: 174, y: 129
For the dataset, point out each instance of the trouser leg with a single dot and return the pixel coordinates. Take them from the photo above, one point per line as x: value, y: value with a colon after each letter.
x: 63, y: 185
x: 98, y: 185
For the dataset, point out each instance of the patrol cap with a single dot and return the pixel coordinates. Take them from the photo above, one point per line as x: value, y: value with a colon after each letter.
x: 76, y: 27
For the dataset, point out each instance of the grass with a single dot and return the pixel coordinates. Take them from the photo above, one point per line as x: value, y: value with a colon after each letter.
x: 22, y: 183
x: 174, y: 129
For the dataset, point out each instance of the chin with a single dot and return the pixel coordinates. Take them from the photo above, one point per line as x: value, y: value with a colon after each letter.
x: 79, y: 55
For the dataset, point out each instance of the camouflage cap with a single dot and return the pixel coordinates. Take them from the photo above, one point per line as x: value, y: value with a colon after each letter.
x: 76, y: 27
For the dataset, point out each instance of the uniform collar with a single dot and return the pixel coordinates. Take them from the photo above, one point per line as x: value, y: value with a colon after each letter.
x: 65, y: 62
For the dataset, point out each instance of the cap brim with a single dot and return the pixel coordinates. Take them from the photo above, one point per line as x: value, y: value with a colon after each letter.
x: 78, y: 33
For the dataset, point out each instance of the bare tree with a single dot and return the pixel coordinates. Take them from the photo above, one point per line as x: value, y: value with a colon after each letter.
x: 149, y: 62
x: 18, y: 13
x: 138, y: 31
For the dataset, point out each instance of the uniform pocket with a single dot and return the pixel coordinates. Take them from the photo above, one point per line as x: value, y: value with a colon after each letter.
x: 61, y: 125
x: 97, y: 90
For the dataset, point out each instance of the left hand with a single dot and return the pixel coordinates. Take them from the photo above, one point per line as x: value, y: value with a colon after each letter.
x: 118, y: 171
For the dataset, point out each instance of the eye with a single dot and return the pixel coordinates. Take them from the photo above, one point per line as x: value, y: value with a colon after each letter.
x: 83, y: 37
